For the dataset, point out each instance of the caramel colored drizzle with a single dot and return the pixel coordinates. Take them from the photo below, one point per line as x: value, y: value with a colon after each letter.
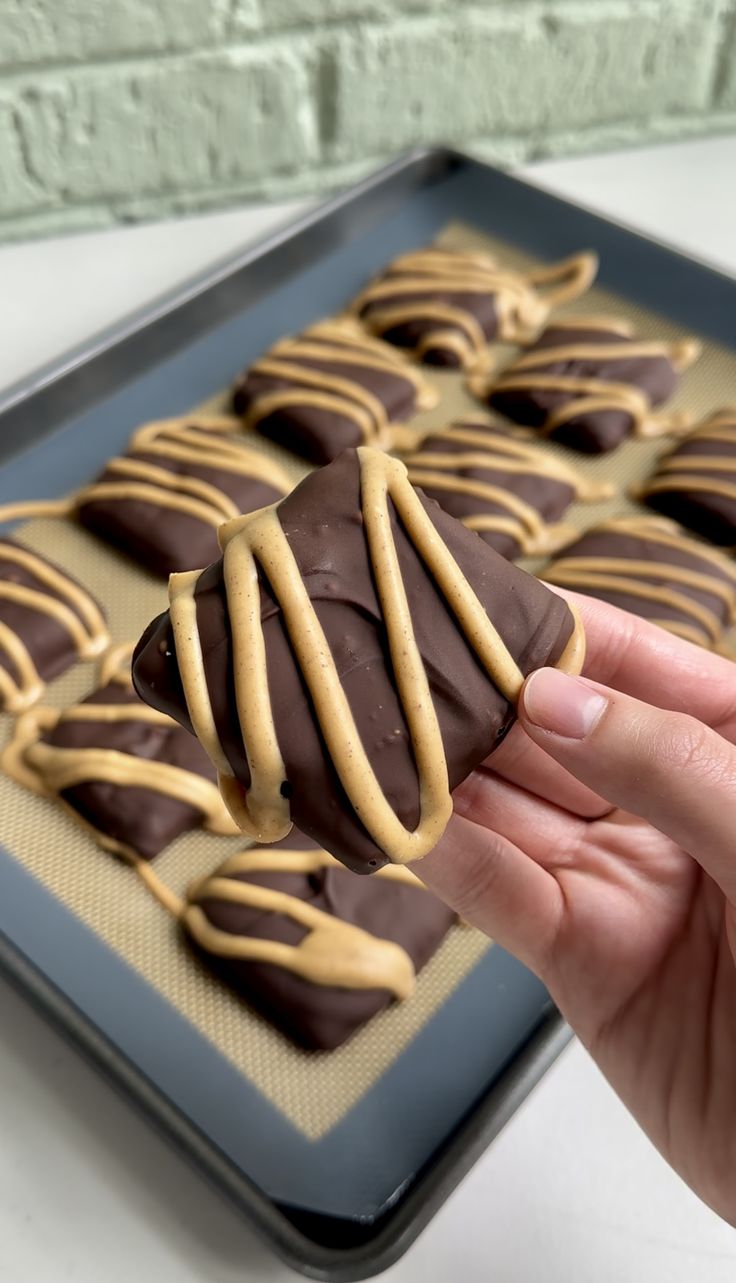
x: 333, y: 952
x: 49, y: 769
x: 115, y: 664
x: 337, y: 342
x: 355, y: 347
x: 633, y: 577
x: 258, y: 540
x: 508, y: 456
x: 78, y: 614
x: 202, y: 442
x: 520, y: 309
x: 593, y: 395
x: 691, y: 472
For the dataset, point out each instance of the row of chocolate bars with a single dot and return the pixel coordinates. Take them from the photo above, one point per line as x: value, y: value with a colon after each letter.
x: 138, y: 780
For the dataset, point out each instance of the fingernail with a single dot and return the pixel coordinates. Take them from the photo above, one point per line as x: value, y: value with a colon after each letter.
x: 567, y: 706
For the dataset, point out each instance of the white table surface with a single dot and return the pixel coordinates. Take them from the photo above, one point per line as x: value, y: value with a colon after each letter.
x: 571, y: 1192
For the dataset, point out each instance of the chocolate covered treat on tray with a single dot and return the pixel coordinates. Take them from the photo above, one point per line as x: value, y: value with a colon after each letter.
x: 446, y: 306
x: 130, y: 775
x: 48, y: 622
x: 315, y: 949
x: 696, y: 483
x: 496, y: 481
x: 650, y: 567
x: 374, y: 661
x: 329, y: 388
x: 162, y: 501
x: 587, y: 383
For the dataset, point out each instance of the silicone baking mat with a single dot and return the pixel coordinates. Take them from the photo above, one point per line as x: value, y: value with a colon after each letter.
x: 342, y: 1133
x: 313, y: 1091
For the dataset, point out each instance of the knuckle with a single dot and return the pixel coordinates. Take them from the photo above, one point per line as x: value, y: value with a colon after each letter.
x: 477, y: 883
x: 687, y: 748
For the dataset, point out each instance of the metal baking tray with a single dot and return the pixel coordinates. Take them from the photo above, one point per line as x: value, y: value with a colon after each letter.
x: 348, y: 1205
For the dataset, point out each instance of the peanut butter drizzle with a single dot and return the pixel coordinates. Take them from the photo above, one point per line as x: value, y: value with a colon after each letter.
x: 592, y: 395
x: 333, y: 342
x: 258, y: 539
x: 690, y: 472
x: 336, y: 342
x: 197, y: 440
x: 666, y: 532
x: 115, y: 664
x: 348, y: 334
x: 49, y: 769
x: 520, y: 309
x: 625, y: 575
x: 78, y: 615
x: 333, y: 952
x: 499, y: 454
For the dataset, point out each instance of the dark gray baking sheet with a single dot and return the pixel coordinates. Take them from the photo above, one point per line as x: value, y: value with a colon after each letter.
x: 407, y: 1142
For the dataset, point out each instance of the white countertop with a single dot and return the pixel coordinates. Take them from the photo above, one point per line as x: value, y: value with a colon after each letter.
x: 571, y: 1192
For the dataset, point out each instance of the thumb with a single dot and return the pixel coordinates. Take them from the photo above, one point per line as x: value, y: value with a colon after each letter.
x: 668, y: 768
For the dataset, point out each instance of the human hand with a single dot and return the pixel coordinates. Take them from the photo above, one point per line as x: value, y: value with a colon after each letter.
x: 598, y: 844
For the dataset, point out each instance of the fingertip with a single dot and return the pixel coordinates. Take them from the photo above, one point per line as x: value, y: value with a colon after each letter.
x: 555, y: 702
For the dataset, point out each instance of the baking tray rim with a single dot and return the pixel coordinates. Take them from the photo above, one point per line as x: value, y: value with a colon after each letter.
x: 397, y: 1228
x: 417, y: 1202
x: 421, y: 163
x: 416, y: 1206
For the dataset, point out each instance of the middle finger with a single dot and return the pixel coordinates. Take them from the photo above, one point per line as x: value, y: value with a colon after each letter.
x: 522, y: 762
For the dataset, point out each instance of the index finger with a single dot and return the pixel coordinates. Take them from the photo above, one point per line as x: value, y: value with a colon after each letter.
x: 631, y: 655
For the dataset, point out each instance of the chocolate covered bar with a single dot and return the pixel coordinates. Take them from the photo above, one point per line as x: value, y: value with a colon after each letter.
x: 447, y: 305
x: 696, y: 483
x: 162, y: 501
x: 128, y: 773
x: 495, y: 482
x: 372, y: 664
x: 588, y: 383
x: 314, y: 948
x: 48, y: 621
x: 331, y: 387
x: 648, y: 566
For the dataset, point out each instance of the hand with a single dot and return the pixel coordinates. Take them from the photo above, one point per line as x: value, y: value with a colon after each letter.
x: 598, y: 844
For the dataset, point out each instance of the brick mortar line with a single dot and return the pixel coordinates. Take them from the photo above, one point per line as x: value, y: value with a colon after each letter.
x: 287, y: 183
x: 265, y: 38
x: 725, y: 52
x: 201, y: 54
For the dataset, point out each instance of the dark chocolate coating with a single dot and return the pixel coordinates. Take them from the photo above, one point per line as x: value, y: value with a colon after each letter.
x: 711, y: 515
x: 323, y: 521
x: 48, y: 642
x: 593, y: 432
x: 322, y: 1017
x: 407, y: 334
x: 548, y: 494
x: 317, y: 434
x: 141, y: 818
x: 620, y: 544
x: 162, y: 539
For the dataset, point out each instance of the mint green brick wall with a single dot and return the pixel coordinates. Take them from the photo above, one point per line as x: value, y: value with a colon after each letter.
x: 117, y: 109
x: 521, y: 70
x: 725, y: 87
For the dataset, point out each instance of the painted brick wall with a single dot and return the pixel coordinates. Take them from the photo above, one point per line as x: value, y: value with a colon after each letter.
x: 119, y: 109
